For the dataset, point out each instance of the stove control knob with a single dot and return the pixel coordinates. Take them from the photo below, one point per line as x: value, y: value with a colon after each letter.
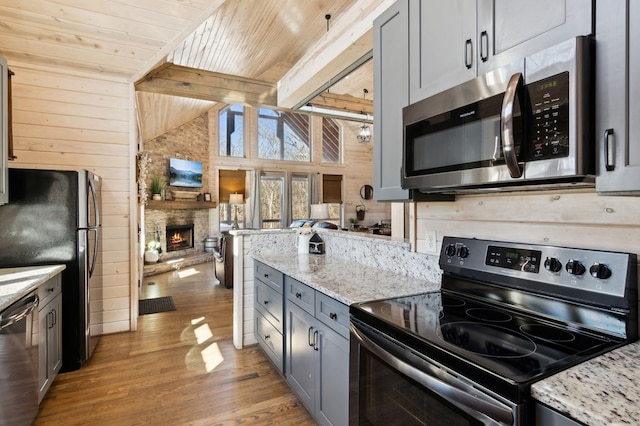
x: 463, y: 252
x: 552, y: 264
x: 450, y: 250
x: 600, y: 271
x: 574, y: 267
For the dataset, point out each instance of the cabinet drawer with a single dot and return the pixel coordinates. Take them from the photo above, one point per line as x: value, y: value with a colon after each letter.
x: 268, y: 275
x: 270, y: 303
x: 333, y: 314
x: 48, y: 290
x: 270, y: 340
x: 300, y: 294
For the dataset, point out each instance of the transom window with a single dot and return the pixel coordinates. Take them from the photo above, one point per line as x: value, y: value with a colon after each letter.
x: 283, y: 135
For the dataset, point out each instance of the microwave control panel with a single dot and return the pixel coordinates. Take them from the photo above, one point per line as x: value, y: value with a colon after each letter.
x: 549, y: 100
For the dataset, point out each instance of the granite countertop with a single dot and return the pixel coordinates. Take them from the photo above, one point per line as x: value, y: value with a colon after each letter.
x: 347, y: 282
x: 17, y: 282
x: 602, y: 391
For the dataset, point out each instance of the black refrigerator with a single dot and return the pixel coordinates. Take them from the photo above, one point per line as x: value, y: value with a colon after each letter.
x: 53, y: 217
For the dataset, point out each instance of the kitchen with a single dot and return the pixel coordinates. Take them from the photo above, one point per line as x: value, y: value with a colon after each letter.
x: 101, y: 106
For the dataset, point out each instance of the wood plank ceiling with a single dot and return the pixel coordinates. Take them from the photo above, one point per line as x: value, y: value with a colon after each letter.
x: 124, y: 40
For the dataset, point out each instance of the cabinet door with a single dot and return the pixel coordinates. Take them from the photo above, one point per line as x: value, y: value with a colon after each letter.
x: 54, y: 336
x: 332, y: 405
x: 301, y: 355
x: 618, y: 97
x: 443, y: 45
x: 49, y: 344
x: 391, y: 88
x: 516, y: 29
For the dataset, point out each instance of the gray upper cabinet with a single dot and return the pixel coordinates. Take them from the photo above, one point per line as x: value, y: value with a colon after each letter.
x: 452, y: 42
x: 618, y: 97
x: 391, y: 88
x: 441, y: 34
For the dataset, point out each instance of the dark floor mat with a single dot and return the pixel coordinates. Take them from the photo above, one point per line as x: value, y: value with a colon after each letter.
x: 158, y: 304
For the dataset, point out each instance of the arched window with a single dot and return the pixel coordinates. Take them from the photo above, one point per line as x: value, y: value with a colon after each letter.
x: 231, y: 131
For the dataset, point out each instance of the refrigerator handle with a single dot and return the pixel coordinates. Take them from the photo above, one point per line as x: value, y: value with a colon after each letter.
x: 94, y: 197
x: 95, y: 251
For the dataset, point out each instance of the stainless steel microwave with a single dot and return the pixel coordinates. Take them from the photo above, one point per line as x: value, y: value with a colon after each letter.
x: 528, y: 125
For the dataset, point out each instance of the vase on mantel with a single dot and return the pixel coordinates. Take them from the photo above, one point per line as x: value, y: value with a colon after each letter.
x: 156, y: 197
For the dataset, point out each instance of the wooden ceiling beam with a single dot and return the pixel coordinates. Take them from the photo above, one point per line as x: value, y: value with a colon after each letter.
x: 343, y: 102
x: 176, y: 80
x: 349, y: 38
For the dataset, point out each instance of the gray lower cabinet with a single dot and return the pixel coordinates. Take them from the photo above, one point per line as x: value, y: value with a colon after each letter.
x: 618, y: 97
x: 317, y: 352
x: 49, y: 333
x: 269, y: 312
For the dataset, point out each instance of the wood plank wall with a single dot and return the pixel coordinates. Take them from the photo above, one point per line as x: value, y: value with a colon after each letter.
x: 563, y: 218
x: 65, y: 121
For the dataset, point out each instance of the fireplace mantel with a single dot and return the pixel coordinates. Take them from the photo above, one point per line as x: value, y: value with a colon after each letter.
x: 180, y: 205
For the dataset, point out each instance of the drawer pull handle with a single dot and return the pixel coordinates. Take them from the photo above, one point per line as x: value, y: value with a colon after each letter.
x: 267, y: 336
x: 333, y: 316
x: 51, y: 289
x: 299, y: 295
x: 266, y: 302
x: 266, y: 275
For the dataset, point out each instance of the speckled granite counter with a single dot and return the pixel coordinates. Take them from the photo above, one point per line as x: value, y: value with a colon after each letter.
x: 602, y: 391
x: 17, y: 282
x: 348, y: 282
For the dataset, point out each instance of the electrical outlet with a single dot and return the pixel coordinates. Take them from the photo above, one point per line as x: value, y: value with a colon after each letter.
x: 430, y: 242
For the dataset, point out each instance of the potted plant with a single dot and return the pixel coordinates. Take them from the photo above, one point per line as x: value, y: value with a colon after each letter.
x: 157, y: 185
x: 360, y: 211
x: 354, y: 222
x: 152, y: 252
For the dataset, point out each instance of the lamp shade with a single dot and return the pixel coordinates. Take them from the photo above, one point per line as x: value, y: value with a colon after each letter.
x: 236, y: 199
x: 319, y: 211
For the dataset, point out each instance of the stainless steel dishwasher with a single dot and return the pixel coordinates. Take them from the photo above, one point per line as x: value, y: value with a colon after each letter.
x: 19, y: 363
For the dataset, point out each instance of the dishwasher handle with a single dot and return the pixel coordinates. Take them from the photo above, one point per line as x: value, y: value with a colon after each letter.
x: 18, y: 310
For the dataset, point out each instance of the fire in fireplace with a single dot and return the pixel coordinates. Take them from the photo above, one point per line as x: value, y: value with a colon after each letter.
x: 179, y: 237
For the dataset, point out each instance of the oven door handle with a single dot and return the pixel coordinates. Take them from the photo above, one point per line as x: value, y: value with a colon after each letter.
x: 506, y: 123
x: 463, y: 400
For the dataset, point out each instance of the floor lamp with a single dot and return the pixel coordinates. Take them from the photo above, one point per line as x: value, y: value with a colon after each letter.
x: 235, y: 200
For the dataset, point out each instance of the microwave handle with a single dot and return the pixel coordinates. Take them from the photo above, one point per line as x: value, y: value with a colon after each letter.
x: 506, y: 120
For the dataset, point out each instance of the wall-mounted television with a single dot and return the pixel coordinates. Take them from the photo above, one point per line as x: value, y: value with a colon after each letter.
x: 185, y: 173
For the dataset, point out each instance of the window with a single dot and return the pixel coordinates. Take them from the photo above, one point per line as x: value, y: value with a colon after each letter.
x: 283, y: 198
x: 283, y: 135
x: 271, y: 201
x: 231, y: 131
x: 332, y: 196
x: 330, y: 140
x: 299, y: 197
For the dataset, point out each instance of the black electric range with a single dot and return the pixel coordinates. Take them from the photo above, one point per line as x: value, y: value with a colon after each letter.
x: 511, y: 314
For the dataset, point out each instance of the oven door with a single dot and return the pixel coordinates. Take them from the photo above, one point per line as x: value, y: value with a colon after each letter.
x: 391, y: 384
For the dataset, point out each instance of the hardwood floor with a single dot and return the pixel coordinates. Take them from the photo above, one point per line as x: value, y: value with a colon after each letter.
x: 179, y: 368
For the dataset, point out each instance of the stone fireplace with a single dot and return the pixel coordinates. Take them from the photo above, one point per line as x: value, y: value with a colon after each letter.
x: 179, y: 237
x: 159, y: 225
